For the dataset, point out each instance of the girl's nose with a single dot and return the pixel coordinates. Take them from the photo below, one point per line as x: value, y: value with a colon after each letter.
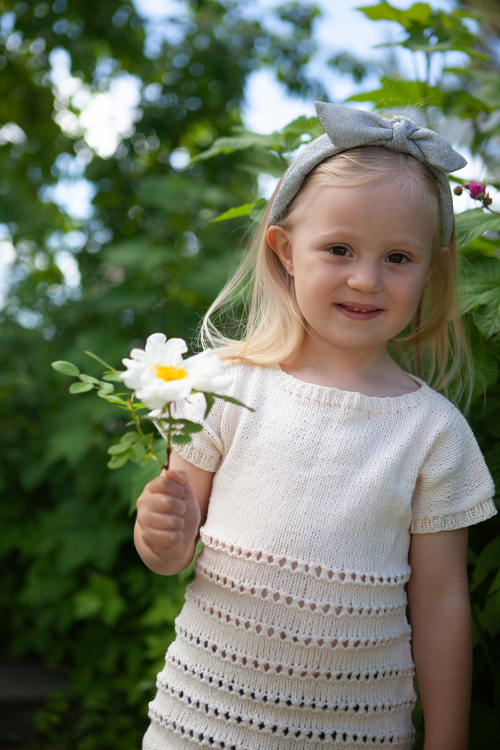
x: 365, y: 276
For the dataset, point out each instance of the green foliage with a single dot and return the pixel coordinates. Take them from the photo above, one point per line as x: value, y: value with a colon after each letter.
x: 75, y: 595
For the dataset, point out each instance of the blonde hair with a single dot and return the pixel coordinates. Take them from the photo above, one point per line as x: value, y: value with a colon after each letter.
x: 270, y: 326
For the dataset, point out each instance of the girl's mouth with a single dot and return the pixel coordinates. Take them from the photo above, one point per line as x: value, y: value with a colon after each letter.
x: 358, y: 313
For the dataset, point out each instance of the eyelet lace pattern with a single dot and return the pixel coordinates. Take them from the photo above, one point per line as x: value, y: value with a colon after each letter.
x: 306, y: 640
x: 280, y: 729
x: 325, y: 607
x: 301, y: 566
x: 272, y: 657
x: 298, y: 700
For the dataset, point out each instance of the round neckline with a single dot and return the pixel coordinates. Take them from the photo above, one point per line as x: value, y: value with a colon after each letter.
x: 352, y: 399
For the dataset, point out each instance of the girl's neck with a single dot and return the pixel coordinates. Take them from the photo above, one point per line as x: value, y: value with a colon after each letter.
x: 372, y: 372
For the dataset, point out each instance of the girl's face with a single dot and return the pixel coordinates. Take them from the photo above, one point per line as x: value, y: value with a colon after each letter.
x: 364, y: 248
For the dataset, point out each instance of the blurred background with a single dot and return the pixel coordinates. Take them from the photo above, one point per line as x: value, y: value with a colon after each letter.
x: 106, y: 236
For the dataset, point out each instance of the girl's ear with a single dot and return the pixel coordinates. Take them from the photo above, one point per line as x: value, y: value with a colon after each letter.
x: 279, y: 241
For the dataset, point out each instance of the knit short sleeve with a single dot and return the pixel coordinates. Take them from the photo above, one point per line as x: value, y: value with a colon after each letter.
x: 205, y: 448
x: 454, y: 487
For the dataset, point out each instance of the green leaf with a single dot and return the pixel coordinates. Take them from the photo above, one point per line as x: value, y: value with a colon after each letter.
x: 118, y: 448
x: 114, y: 377
x: 491, y: 410
x: 147, y: 440
x: 495, y: 586
x: 490, y: 616
x: 117, y: 461
x: 233, y: 401
x: 112, y: 398
x: 209, y: 400
x: 488, y: 560
x: 235, y: 213
x: 181, y: 439
x: 129, y: 438
x: 66, y: 368
x: 162, y: 611
x: 246, y: 139
x: 88, y: 379
x: 106, y: 388
x: 420, y: 13
x: 302, y: 125
x: 137, y: 452
x: 489, y: 93
x: 473, y: 223
x: 396, y: 92
x: 80, y: 387
x: 480, y: 292
x: 484, y: 355
x: 191, y: 427
x: 101, y: 599
x: 258, y: 208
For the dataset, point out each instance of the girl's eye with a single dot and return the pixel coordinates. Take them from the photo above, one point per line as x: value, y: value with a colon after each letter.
x: 338, y: 250
x: 398, y: 258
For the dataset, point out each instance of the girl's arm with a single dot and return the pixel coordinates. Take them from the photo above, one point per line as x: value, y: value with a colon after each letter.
x: 439, y: 610
x: 170, y: 511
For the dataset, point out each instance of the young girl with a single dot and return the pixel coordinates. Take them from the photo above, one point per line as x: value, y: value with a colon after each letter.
x: 350, y: 473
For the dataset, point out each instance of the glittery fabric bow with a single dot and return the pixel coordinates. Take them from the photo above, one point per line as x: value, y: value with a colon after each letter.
x: 348, y: 128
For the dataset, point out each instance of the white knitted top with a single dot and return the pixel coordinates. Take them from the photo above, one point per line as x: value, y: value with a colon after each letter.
x: 294, y: 633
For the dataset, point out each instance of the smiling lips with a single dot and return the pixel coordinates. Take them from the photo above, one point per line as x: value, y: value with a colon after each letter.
x: 358, y: 312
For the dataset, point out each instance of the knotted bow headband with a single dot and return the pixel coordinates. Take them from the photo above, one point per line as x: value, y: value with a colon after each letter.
x: 348, y: 128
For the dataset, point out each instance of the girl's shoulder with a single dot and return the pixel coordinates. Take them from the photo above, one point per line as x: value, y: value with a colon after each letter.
x: 446, y: 418
x: 243, y: 372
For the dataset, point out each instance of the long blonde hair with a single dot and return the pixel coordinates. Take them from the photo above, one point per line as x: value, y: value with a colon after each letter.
x: 263, y: 322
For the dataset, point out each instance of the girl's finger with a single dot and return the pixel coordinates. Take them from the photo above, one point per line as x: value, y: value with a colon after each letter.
x: 162, y: 521
x: 165, y: 504
x: 161, y: 541
x: 165, y: 485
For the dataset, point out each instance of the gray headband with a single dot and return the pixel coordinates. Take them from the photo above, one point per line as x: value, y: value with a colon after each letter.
x: 348, y: 128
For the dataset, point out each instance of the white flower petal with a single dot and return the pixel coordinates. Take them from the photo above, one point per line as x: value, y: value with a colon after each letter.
x: 139, y: 355
x: 221, y: 382
x: 171, y: 353
x: 206, y: 361
x: 152, y: 400
x: 155, y: 340
x: 148, y: 378
x: 130, y: 379
x: 201, y: 382
x: 157, y: 394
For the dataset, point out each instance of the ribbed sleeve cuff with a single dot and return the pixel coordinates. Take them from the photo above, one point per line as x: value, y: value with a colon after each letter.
x: 468, y: 517
x: 195, y: 457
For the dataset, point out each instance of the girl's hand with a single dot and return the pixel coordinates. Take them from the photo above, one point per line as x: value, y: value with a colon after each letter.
x: 168, y: 519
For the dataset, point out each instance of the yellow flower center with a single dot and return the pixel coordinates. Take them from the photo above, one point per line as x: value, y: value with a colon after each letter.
x: 169, y: 372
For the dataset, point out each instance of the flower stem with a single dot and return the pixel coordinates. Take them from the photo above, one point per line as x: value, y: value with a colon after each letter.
x: 169, y: 439
x: 154, y: 454
x: 137, y: 421
x: 102, y: 362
